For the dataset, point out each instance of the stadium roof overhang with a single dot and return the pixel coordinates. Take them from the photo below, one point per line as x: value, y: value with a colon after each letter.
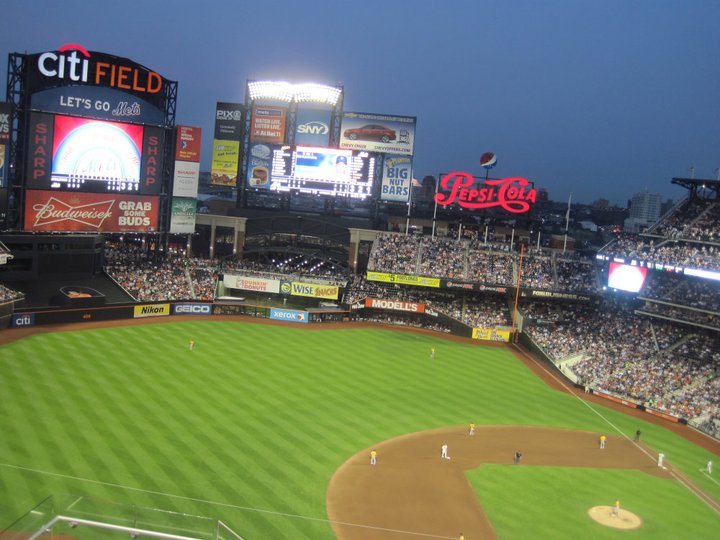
x: 694, y: 185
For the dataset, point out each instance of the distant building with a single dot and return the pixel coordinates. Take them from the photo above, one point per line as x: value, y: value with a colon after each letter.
x: 601, y: 204
x: 645, y: 208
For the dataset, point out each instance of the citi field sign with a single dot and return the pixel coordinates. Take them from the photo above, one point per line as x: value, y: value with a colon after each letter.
x: 73, y: 64
x: 515, y: 195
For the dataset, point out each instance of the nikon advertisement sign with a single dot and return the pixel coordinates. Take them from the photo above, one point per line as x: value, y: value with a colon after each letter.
x: 151, y: 310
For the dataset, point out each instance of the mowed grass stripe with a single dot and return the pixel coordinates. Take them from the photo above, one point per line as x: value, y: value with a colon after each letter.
x: 262, y: 415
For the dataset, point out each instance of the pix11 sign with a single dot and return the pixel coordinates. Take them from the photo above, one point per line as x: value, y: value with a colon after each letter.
x: 513, y: 194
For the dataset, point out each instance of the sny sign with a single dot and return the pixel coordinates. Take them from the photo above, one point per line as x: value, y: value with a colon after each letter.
x: 512, y: 194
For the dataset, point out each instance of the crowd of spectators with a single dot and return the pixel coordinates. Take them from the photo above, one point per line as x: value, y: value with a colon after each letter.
x: 652, y: 362
x: 7, y: 294
x: 491, y: 263
x: 683, y: 291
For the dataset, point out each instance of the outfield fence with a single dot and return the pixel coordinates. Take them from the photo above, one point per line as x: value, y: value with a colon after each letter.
x: 89, y: 518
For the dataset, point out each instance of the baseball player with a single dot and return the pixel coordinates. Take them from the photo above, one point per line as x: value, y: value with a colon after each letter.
x: 708, y: 467
x: 192, y: 345
x: 661, y: 459
x: 432, y: 352
x: 444, y: 451
x: 616, y: 508
x: 373, y: 457
x: 472, y: 430
x: 517, y: 458
x: 602, y: 441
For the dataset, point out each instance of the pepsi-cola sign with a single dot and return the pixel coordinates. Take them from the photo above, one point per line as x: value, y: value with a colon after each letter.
x: 513, y: 194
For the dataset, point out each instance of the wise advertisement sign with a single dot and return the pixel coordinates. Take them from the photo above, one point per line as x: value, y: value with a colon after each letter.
x: 224, y: 166
x: 89, y: 212
x: 378, y: 133
x: 267, y: 124
x: 290, y: 315
x: 187, y: 145
x: 182, y: 215
x: 396, y: 178
x: 313, y: 127
x: 490, y: 334
x: 419, y: 281
x: 151, y: 310
x: 394, y: 305
x: 311, y: 290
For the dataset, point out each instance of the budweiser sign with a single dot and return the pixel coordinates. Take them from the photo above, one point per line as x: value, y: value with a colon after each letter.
x: 513, y: 194
x: 51, y: 211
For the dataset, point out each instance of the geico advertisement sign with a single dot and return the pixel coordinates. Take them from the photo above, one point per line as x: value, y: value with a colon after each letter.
x: 155, y: 310
x: 395, y: 305
x: 289, y: 315
x: 94, y: 212
x: 192, y: 309
x: 312, y: 290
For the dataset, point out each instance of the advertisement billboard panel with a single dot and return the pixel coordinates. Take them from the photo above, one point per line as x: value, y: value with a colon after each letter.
x: 318, y: 171
x: 3, y: 166
x: 151, y: 310
x: 82, y: 154
x: 394, y: 305
x: 5, y: 121
x: 267, y: 124
x: 397, y: 178
x: 247, y: 283
x: 228, y: 121
x: 182, y: 215
x: 490, y: 334
x: 192, y: 308
x: 224, y: 166
x: 378, y: 133
x: 420, y: 281
x: 313, y: 127
x: 311, y: 290
x: 97, y: 102
x: 90, y: 212
x: 290, y: 315
x: 185, y: 179
x: 188, y: 142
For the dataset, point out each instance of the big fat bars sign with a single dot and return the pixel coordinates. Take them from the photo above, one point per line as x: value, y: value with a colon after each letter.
x: 512, y: 194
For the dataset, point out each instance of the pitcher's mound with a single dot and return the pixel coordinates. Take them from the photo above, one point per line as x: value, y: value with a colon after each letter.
x: 624, y: 520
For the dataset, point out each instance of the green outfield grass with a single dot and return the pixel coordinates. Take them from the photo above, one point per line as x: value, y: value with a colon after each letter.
x: 250, y: 426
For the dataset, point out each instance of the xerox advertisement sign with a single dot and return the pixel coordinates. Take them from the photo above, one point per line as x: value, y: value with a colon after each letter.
x: 191, y: 309
x: 378, y: 133
x: 313, y: 127
x: 290, y: 315
x: 73, y: 65
x: 89, y: 212
x: 394, y: 305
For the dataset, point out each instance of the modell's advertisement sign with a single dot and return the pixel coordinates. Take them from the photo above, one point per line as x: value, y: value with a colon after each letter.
x: 73, y: 65
x: 394, y: 305
x: 515, y: 195
x: 89, y: 212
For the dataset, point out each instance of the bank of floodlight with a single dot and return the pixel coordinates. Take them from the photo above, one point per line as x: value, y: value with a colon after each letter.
x: 300, y: 93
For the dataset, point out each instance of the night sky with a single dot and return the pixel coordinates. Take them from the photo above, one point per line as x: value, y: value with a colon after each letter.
x: 597, y: 99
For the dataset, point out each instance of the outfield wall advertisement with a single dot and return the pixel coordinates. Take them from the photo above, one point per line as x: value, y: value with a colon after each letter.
x: 290, y: 315
x: 419, y: 281
x: 151, y: 310
x: 311, y: 290
x: 490, y: 334
x: 394, y: 305
x: 246, y: 283
x: 89, y: 212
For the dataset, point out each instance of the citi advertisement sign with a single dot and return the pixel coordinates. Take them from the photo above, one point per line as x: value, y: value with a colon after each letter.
x: 73, y: 64
x: 515, y: 195
x: 20, y: 320
x: 192, y: 309
x: 290, y: 315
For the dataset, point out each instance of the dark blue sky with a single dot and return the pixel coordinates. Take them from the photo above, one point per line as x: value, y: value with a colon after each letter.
x: 601, y: 99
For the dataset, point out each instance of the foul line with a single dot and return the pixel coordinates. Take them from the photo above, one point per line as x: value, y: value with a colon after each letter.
x: 227, y: 505
x: 709, y: 501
